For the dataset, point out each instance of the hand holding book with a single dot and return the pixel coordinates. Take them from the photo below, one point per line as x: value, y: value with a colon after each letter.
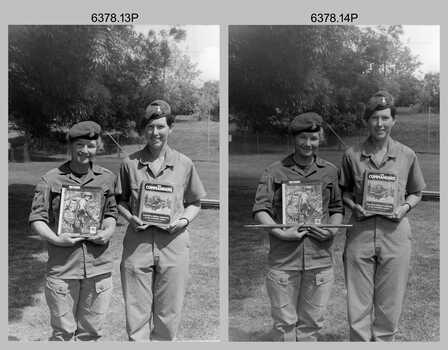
x: 67, y: 239
x: 291, y: 234
x: 360, y: 213
x: 178, y: 225
x: 319, y: 233
x: 137, y: 224
x: 400, y: 212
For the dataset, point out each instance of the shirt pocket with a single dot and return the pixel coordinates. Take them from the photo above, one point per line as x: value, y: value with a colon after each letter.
x: 57, y: 295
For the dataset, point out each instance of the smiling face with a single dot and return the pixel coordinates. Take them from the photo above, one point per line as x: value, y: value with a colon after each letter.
x: 380, y: 124
x: 156, y: 133
x: 83, y: 151
x: 306, y: 144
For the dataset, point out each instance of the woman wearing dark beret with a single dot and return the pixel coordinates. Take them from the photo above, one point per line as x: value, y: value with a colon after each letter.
x: 79, y: 270
x: 378, y: 246
x: 300, y: 275
x: 154, y: 266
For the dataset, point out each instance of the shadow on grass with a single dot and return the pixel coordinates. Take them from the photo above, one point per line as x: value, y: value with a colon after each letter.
x: 26, y: 271
x: 236, y: 334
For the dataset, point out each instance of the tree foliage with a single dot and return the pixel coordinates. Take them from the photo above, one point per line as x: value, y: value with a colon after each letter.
x: 430, y: 94
x: 277, y: 72
x: 59, y: 75
x: 208, y: 104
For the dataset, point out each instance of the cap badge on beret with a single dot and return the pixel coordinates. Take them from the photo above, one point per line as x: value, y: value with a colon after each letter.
x: 158, y: 109
x: 383, y: 101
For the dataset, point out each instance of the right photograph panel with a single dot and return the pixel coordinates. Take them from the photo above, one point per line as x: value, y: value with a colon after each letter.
x: 334, y: 183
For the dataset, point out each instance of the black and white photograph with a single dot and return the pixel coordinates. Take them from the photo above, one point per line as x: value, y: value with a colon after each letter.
x: 331, y: 104
x: 113, y: 107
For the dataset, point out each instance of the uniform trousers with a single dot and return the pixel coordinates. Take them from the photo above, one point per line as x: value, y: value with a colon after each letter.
x: 376, y: 261
x: 298, y: 302
x: 78, y: 306
x: 154, y: 274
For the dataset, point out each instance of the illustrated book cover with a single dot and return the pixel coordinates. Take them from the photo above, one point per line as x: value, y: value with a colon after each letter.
x: 156, y: 204
x: 81, y: 210
x: 380, y: 192
x: 301, y: 202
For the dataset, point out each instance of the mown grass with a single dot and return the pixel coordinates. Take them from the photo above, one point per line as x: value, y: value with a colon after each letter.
x: 419, y: 131
x: 28, y: 313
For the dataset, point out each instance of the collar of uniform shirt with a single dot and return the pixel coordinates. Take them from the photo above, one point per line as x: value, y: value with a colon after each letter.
x: 367, y: 148
x: 289, y: 161
x: 65, y: 168
x: 168, y: 155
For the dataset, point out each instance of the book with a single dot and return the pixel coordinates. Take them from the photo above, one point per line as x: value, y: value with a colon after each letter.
x: 81, y: 210
x: 380, y: 192
x: 301, y: 202
x: 156, y: 204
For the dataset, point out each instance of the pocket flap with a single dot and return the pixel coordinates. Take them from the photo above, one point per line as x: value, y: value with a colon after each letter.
x: 59, y: 287
x: 324, y: 276
x: 103, y: 285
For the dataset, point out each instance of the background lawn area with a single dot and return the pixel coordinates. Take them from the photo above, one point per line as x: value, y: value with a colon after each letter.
x: 419, y: 131
x: 28, y: 313
x: 249, y: 308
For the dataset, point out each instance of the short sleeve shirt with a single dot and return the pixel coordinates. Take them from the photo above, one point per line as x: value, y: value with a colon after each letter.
x: 399, y: 160
x: 176, y: 170
x: 84, y: 259
x: 307, y: 253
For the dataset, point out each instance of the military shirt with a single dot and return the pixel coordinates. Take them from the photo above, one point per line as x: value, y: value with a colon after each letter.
x: 84, y: 259
x: 308, y: 253
x: 176, y: 170
x: 399, y: 159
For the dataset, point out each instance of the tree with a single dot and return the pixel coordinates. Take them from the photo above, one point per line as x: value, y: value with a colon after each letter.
x: 180, y: 88
x: 59, y: 75
x: 277, y: 72
x: 430, y: 95
x: 208, y: 104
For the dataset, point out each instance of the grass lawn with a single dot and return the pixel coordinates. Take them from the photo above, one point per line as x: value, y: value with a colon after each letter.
x: 28, y: 313
x: 249, y: 309
x: 419, y: 131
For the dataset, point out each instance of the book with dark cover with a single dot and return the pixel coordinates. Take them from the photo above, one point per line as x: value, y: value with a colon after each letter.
x: 302, y: 202
x: 156, y: 204
x: 380, y: 192
x: 81, y: 210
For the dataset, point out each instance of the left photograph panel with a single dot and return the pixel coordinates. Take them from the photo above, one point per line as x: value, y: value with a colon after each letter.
x: 113, y: 136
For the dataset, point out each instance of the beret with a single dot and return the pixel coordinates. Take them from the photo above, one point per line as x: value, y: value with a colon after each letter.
x: 155, y: 110
x: 84, y: 130
x: 306, y: 122
x: 379, y: 101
